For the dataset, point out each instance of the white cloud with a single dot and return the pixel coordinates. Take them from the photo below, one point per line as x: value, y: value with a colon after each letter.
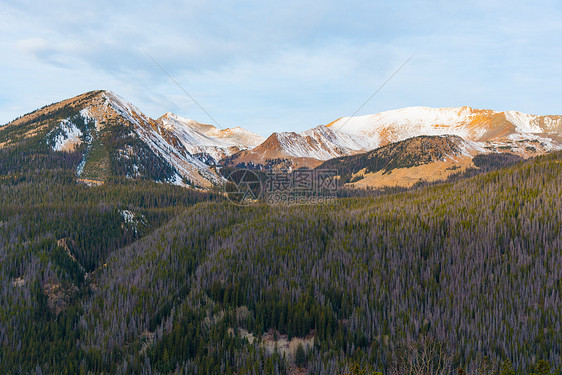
x: 32, y: 45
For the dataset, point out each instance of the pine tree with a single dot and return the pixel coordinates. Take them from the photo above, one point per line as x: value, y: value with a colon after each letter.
x: 542, y: 368
x: 300, y: 356
x: 507, y: 368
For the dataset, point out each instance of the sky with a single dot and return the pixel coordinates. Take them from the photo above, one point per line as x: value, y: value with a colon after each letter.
x: 282, y: 66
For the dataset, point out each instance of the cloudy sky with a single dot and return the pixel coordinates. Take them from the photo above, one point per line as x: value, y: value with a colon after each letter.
x: 283, y: 65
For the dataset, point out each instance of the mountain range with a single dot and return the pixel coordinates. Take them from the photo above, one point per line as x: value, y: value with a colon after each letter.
x: 140, y: 275
x: 111, y: 137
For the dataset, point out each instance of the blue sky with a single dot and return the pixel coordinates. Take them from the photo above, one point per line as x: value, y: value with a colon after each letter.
x: 277, y: 66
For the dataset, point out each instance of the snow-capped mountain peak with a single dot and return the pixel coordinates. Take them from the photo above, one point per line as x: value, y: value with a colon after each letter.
x: 471, y: 124
x: 207, y: 140
x: 318, y: 143
x: 483, y: 130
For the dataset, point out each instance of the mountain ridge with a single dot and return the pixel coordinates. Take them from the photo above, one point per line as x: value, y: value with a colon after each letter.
x: 112, y: 136
x: 479, y: 125
x: 189, y: 152
x: 486, y: 130
x: 447, y: 154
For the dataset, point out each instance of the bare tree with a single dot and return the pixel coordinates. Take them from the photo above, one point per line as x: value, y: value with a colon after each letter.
x: 424, y: 357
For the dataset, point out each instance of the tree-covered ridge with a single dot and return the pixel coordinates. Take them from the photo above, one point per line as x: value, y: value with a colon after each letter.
x: 403, y: 154
x: 472, y: 264
x: 54, y: 235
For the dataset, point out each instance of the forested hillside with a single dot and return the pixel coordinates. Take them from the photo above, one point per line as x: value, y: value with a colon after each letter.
x: 55, y: 234
x: 471, y: 266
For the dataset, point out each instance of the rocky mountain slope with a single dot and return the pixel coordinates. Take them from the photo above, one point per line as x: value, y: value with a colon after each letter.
x: 206, y: 142
x: 306, y: 149
x: 114, y: 138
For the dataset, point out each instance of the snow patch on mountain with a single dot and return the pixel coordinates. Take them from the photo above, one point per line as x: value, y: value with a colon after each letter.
x: 87, y: 115
x: 523, y: 122
x: 68, y: 137
x: 133, y: 220
x: 206, y: 139
x: 327, y: 136
x: 187, y: 165
x: 124, y: 108
x: 109, y: 107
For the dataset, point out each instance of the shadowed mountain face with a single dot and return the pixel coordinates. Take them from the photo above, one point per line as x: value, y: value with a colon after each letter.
x: 409, y: 153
